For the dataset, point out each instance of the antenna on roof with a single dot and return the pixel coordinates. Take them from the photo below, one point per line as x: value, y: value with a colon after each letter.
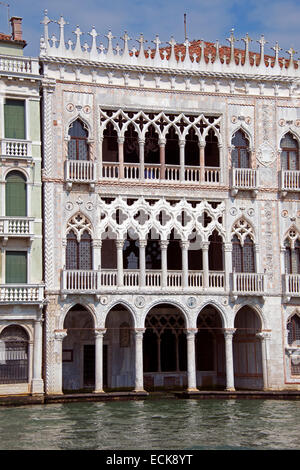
x: 185, y: 38
x: 6, y: 5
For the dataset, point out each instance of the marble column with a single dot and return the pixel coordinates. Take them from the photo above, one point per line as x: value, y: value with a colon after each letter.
x: 142, y: 159
x: 228, y: 264
x: 142, y: 247
x: 191, y: 360
x: 162, y: 148
x: 139, y: 377
x: 202, y: 161
x: 164, y: 267
x: 185, y: 262
x: 265, y: 337
x: 99, y: 333
x: 228, y: 334
x: 205, y: 246
x: 59, y: 336
x: 181, y: 152
x: 121, y: 156
x: 120, y: 276
x: 37, y: 386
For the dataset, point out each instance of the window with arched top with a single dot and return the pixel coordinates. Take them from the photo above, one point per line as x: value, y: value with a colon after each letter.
x: 292, y: 257
x: 289, y: 153
x: 215, y: 252
x: 151, y: 151
x: 131, y: 145
x: 172, y: 155
x: 240, y: 155
x: 15, y: 194
x: 211, y: 150
x: 110, y: 144
x: 13, y: 355
x: 293, y: 327
x: 191, y: 149
x: 79, y: 253
x: 78, y: 148
x: 243, y: 255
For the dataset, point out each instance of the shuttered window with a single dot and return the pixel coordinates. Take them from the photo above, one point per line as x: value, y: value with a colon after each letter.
x: 16, y: 267
x: 15, y: 194
x: 14, y: 119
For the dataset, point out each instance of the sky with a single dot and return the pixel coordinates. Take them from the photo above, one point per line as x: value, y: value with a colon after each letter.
x: 210, y: 20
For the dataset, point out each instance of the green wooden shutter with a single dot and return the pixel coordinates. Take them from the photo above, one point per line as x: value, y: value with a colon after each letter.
x: 15, y: 194
x: 14, y: 119
x: 16, y: 267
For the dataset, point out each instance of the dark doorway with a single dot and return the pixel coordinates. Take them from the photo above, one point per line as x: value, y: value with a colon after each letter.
x: 89, y: 365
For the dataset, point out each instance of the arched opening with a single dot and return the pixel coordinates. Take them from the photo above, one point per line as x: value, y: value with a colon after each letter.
x: 78, y: 351
x: 211, y: 151
x: 165, y: 348
x: 191, y: 149
x: 195, y: 256
x: 172, y: 154
x: 247, y: 356
x: 215, y: 252
x: 240, y: 155
x: 243, y: 255
x: 15, y: 194
x: 110, y: 144
x: 131, y: 145
x: 210, y: 349
x: 292, y: 256
x: 153, y: 251
x: 14, y: 363
x: 131, y: 253
x: 289, y: 153
x: 79, y: 254
x: 152, y: 153
x: 174, y: 259
x: 119, y: 349
x: 78, y: 148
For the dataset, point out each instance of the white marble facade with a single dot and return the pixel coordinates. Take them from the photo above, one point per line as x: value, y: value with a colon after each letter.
x: 170, y: 260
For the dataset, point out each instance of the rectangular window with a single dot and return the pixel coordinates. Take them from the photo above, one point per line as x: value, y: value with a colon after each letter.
x: 16, y: 267
x: 14, y: 119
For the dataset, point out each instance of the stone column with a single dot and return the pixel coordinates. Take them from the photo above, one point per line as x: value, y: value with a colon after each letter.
x: 120, y: 276
x: 265, y: 337
x: 59, y: 335
x: 228, y: 264
x: 99, y: 333
x: 97, y: 244
x: 228, y: 334
x: 162, y: 147
x: 256, y: 254
x: 37, y: 384
x: 142, y: 246
x: 164, y: 267
x: 205, y: 265
x: 202, y: 161
x: 185, y: 262
x: 121, y: 156
x: 181, y: 150
x: 142, y: 158
x: 139, y: 378
x: 191, y: 360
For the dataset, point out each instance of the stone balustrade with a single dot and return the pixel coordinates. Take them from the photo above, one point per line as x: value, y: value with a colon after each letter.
x: 16, y: 227
x: 292, y: 285
x: 80, y: 171
x: 19, y: 293
x: 290, y: 180
x: 19, y: 65
x: 244, y: 178
x: 16, y: 148
x: 248, y: 283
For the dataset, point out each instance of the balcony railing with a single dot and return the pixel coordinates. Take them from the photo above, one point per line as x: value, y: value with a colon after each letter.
x: 80, y: 171
x: 17, y: 227
x: 92, y: 281
x: 16, y: 148
x: 13, y: 293
x: 154, y: 172
x: 19, y: 65
x: 244, y: 179
x: 290, y: 180
x: 248, y: 283
x: 292, y: 285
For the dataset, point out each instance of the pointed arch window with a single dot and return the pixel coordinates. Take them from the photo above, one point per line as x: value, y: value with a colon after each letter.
x: 110, y: 144
x: 289, y: 153
x: 211, y: 151
x: 292, y: 257
x: 293, y: 327
x: 215, y: 252
x: 240, y: 155
x: 79, y: 253
x: 152, y: 151
x: 15, y: 194
x: 191, y: 149
x: 172, y: 155
x: 131, y: 145
x: 78, y: 148
x: 243, y: 255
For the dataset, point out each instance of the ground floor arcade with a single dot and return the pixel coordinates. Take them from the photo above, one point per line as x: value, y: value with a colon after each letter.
x: 163, y: 350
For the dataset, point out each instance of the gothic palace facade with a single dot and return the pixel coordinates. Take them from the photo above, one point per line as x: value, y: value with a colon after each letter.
x: 171, y: 215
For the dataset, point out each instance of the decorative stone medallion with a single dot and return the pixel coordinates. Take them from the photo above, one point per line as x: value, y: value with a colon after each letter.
x: 103, y: 300
x: 139, y: 301
x: 266, y: 154
x: 191, y: 302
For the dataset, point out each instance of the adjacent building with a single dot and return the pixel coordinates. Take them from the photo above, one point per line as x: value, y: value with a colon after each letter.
x: 21, y: 268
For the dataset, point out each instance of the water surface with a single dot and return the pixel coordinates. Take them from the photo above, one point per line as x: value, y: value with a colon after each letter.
x: 153, y: 425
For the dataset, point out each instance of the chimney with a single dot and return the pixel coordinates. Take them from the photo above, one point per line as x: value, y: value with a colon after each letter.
x: 16, y: 26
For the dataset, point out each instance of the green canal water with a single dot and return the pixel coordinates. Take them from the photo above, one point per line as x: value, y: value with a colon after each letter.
x: 159, y: 424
